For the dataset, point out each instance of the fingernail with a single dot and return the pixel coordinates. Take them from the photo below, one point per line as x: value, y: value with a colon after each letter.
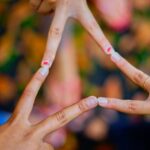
x: 110, y: 51
x: 102, y: 101
x: 46, y: 63
x: 115, y: 57
x: 92, y: 102
x: 44, y: 71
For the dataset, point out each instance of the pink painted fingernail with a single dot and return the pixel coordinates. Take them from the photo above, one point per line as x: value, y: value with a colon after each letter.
x: 91, y: 102
x: 115, y: 57
x: 46, y: 63
x: 44, y: 71
x: 109, y: 50
x: 102, y: 101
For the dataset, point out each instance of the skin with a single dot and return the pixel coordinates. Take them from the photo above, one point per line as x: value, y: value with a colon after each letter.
x: 131, y: 106
x: 78, y: 10
x: 64, y: 10
x: 19, y: 131
x: 20, y: 134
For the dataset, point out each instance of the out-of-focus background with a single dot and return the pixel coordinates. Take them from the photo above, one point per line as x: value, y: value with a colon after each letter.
x: 81, y: 69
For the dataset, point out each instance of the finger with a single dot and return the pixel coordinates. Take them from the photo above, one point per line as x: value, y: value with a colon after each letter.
x: 93, y: 28
x: 61, y: 118
x: 88, y: 21
x: 27, y: 99
x: 46, y: 6
x: 126, y: 106
x: 55, y: 35
x: 46, y: 146
x: 137, y: 76
x: 35, y: 3
x: 147, y: 83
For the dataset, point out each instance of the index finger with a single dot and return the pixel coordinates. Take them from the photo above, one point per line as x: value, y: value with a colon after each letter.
x: 25, y: 104
x: 126, y: 106
x: 136, y: 75
x: 88, y: 21
x: 35, y: 3
x: 55, y: 35
x: 61, y: 118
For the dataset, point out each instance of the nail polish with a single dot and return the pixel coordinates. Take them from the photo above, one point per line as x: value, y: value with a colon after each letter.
x: 46, y: 63
x: 109, y: 51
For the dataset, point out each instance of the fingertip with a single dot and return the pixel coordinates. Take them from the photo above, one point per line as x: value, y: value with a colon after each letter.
x: 102, y: 101
x: 92, y: 97
x: 91, y: 102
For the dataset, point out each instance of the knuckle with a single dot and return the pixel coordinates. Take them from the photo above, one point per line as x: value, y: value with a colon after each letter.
x: 138, y: 76
x: 38, y: 78
x: 28, y: 92
x: 146, y: 83
x: 32, y: 2
x: 132, y: 107
x: 35, y: 4
x: 61, y: 117
x: 55, y: 32
x: 82, y: 106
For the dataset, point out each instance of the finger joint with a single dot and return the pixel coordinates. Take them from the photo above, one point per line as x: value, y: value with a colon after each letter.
x: 82, y: 106
x: 55, y: 32
x: 61, y: 117
x: 28, y: 93
x: 138, y: 76
x: 38, y: 78
x: 132, y: 107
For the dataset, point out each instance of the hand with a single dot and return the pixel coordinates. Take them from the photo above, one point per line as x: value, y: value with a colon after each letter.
x: 64, y: 10
x: 138, y: 77
x: 79, y: 10
x: 20, y: 134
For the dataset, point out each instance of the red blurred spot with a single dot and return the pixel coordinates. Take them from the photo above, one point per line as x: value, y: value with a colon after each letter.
x: 109, y: 49
x: 46, y: 63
